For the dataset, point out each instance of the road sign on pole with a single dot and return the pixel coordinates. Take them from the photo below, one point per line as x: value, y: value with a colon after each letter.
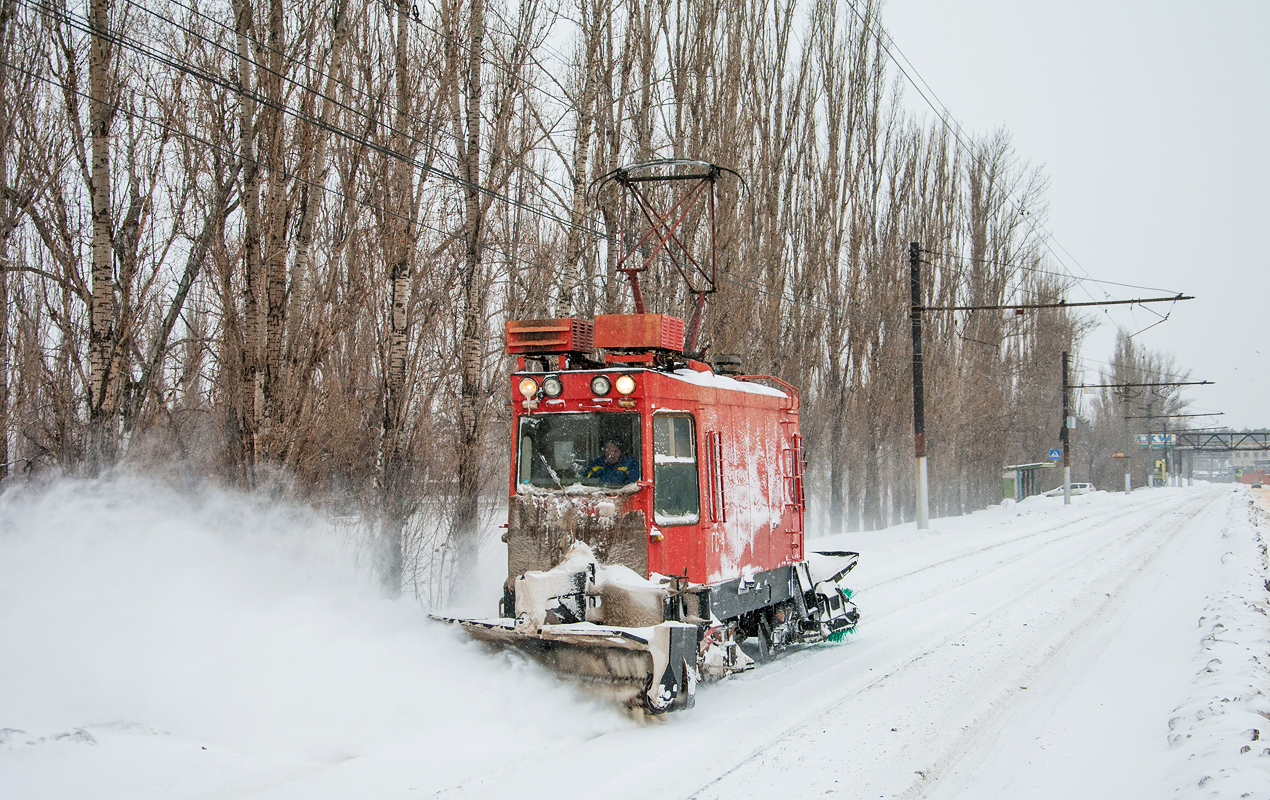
x: 1055, y: 454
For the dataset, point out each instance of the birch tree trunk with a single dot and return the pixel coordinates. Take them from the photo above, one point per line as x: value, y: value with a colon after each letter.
x: 9, y: 101
x: 400, y: 252
x: 313, y: 144
x: 102, y: 331
x: 464, y: 534
x: 277, y: 208
x: 6, y: 228
x: 249, y: 407
x: 593, y: 18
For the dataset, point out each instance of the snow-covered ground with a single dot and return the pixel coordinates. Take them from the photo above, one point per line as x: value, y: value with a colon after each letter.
x: 161, y: 645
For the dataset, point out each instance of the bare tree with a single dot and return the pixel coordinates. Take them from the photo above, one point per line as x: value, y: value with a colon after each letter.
x: 103, y: 333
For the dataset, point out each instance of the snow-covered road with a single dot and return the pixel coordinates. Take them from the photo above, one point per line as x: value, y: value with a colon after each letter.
x: 1113, y: 648
x: 1042, y: 663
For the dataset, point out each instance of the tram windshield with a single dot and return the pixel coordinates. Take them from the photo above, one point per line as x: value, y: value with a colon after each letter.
x: 556, y: 451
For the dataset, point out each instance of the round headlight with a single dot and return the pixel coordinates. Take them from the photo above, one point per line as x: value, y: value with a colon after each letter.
x: 625, y: 384
x: 552, y: 386
x: 600, y: 385
x: 528, y: 388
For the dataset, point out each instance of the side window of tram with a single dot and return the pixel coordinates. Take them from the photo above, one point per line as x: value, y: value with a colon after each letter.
x: 676, y: 498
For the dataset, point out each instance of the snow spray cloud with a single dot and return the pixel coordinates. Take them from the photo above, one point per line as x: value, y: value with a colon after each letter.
x: 225, y: 618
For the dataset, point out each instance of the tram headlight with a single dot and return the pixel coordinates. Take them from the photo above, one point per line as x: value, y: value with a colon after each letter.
x: 600, y: 385
x: 625, y: 384
x: 552, y: 386
x: 528, y: 388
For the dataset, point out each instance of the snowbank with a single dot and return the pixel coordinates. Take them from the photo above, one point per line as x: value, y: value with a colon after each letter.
x: 1223, y: 729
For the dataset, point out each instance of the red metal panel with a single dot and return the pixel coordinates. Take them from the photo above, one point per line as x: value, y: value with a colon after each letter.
x: 639, y: 332
x: 759, y: 529
x: 548, y: 336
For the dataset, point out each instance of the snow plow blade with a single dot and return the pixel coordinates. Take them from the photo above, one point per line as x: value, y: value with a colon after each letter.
x: 650, y: 668
x: 645, y: 642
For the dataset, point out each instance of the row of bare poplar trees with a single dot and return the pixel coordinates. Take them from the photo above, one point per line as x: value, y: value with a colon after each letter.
x: 272, y: 243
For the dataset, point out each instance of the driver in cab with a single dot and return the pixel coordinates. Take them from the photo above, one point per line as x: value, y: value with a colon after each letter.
x: 612, y: 468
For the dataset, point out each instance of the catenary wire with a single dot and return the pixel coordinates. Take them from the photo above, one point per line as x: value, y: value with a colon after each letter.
x: 161, y: 125
x: 890, y: 47
x: 187, y: 69
x: 230, y: 86
x: 318, y: 71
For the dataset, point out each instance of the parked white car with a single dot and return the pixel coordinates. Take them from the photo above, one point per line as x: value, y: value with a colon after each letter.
x: 1077, y: 488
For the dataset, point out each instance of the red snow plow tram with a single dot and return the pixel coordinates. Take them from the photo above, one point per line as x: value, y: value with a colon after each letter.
x: 655, y: 509
x: 655, y: 514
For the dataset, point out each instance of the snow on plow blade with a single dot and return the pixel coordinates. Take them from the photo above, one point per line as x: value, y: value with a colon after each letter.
x: 650, y: 668
x: 604, y: 625
x: 646, y: 642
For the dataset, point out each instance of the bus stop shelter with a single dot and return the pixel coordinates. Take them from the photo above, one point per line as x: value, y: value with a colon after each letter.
x: 1020, y: 479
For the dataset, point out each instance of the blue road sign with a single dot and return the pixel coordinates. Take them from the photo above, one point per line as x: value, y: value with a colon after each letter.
x: 1056, y: 454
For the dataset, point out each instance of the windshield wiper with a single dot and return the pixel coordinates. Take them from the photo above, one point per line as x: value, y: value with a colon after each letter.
x: 551, y: 471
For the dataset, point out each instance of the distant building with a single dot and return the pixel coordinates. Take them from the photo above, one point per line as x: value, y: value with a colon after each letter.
x: 1250, y: 460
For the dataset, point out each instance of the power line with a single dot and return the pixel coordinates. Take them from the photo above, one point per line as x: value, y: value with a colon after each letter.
x: 334, y: 129
x: 1161, y: 321
x: 952, y: 126
x: 233, y: 53
x: 265, y: 166
x: 230, y: 86
x: 317, y: 70
x: 1134, y: 368
x: 1039, y: 271
x: 1138, y: 385
x: 1063, y: 304
x: 961, y: 273
x: 188, y: 69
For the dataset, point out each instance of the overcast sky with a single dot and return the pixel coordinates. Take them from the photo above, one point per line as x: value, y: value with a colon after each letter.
x: 1151, y: 120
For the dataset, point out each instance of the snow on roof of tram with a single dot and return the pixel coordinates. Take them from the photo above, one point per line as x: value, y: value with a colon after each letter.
x: 723, y: 382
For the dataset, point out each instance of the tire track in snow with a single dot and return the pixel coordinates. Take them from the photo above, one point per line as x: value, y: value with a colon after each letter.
x: 1126, y: 542
x: 973, y: 737
x: 1015, y: 541
x: 794, y: 659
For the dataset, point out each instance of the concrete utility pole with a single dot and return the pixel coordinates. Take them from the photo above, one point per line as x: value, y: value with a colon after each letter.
x: 1128, y: 449
x: 1067, y: 448
x: 919, y: 414
x: 1149, y: 480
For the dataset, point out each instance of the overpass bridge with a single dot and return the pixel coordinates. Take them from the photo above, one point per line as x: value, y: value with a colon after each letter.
x: 1182, y: 447
x: 1221, y: 441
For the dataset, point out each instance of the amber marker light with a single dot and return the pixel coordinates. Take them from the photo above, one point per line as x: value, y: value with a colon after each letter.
x: 625, y: 384
x: 528, y: 388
